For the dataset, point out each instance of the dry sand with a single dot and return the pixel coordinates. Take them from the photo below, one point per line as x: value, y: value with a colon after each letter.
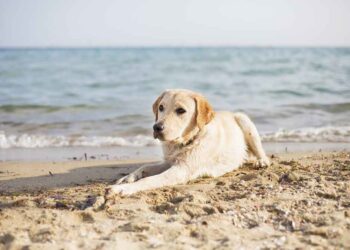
x: 301, y: 201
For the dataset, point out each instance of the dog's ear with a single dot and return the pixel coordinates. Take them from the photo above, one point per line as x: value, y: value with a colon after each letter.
x: 156, y: 104
x: 204, y: 111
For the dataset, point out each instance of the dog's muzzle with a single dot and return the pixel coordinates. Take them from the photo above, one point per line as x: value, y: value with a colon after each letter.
x: 158, y: 130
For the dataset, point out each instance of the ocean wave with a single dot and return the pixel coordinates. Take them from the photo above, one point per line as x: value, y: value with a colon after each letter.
x: 287, y: 92
x: 268, y: 72
x: 322, y: 134
x: 312, y: 134
x: 42, y: 141
x: 10, y: 108
x: 330, y: 108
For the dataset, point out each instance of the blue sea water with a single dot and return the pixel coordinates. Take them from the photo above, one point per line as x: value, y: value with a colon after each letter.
x: 103, y: 96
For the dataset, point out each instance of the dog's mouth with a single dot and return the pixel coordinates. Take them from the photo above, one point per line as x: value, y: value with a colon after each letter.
x: 161, y: 137
x: 158, y: 135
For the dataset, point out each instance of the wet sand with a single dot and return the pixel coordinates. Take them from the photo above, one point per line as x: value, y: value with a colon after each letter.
x: 301, y: 201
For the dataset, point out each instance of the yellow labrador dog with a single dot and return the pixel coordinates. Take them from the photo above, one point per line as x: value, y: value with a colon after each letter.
x: 196, y: 141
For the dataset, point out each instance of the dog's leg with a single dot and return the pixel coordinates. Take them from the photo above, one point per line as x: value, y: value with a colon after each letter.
x: 252, y: 138
x: 174, y: 175
x: 144, y: 171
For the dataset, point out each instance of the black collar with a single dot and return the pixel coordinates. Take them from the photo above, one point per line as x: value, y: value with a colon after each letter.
x: 190, y: 141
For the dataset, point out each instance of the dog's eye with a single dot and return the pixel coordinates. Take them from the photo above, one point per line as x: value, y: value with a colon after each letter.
x: 180, y: 111
x: 161, y: 108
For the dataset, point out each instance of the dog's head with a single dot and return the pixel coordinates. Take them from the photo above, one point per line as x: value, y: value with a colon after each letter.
x: 178, y: 113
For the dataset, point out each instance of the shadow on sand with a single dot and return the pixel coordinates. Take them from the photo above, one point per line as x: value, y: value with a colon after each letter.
x: 74, y: 177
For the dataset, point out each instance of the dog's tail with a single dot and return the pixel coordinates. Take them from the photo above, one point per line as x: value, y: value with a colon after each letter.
x: 251, y: 137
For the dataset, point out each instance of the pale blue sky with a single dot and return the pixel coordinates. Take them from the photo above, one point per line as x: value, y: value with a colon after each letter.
x: 174, y: 22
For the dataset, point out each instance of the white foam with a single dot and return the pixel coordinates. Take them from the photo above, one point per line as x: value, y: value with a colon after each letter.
x: 311, y: 134
x: 41, y: 141
x: 322, y: 134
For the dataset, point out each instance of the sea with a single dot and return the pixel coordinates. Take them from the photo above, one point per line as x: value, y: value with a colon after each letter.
x: 101, y: 97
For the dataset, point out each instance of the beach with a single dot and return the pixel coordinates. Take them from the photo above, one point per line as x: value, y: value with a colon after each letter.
x: 300, y: 201
x: 74, y: 120
x: 90, y: 91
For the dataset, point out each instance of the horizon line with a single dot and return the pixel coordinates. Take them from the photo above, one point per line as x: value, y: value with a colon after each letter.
x: 171, y: 46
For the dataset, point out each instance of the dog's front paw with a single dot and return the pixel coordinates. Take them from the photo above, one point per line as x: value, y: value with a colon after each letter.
x: 263, y: 162
x: 123, y: 189
x: 130, y: 178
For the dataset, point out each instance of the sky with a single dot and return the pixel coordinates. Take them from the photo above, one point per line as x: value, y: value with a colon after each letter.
x: 113, y: 23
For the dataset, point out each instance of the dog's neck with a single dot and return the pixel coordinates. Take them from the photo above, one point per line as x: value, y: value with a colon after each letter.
x: 189, y: 138
x: 173, y: 148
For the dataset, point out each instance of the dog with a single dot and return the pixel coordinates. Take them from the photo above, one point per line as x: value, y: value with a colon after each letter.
x: 196, y: 141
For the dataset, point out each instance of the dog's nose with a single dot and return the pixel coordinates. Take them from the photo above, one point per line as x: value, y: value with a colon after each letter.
x: 158, y: 127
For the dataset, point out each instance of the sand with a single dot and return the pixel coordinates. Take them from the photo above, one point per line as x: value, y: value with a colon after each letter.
x: 301, y: 201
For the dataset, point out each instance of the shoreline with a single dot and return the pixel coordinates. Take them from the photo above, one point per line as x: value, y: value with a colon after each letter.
x: 140, y: 153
